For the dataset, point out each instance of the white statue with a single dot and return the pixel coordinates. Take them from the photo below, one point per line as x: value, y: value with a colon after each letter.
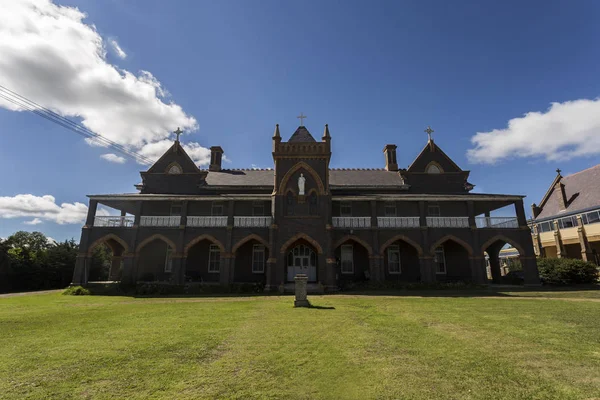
x: 301, y: 182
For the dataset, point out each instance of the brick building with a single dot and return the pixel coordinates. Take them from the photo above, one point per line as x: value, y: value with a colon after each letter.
x: 566, y: 223
x: 335, y: 225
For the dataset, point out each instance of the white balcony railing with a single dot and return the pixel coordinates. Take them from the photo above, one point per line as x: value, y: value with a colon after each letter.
x: 497, y: 222
x: 162, y: 221
x: 352, y: 222
x: 207, y: 221
x: 398, y: 222
x: 252, y: 222
x: 448, y: 222
x: 114, y: 222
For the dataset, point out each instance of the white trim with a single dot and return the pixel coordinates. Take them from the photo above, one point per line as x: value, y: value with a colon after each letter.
x: 443, y: 261
x: 261, y: 249
x: 214, y: 249
x: 346, y: 246
x: 394, y: 248
x: 169, y: 259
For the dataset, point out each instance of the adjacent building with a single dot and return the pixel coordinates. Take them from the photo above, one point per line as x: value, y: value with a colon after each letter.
x: 566, y: 223
x: 419, y: 224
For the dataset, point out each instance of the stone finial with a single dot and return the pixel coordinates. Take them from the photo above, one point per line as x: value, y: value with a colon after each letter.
x: 326, y: 132
x: 276, y: 134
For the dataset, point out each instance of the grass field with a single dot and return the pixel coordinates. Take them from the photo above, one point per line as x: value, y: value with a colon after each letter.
x: 522, y: 345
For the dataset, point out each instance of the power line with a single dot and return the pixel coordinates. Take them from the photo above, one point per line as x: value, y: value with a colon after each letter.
x: 50, y: 115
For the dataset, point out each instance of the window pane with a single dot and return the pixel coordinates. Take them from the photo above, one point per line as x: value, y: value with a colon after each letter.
x: 433, y: 211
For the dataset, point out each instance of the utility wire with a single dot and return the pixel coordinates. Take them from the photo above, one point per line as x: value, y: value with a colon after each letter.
x: 50, y: 115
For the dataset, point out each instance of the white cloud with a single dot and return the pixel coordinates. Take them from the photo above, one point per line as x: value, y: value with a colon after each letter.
x: 110, y: 157
x: 52, y: 57
x: 117, y: 49
x: 34, y: 221
x: 42, y: 208
x: 566, y: 130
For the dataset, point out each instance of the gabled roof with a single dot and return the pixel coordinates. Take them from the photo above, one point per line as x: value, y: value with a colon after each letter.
x: 175, y: 154
x: 582, y: 190
x: 301, y: 135
x: 432, y: 152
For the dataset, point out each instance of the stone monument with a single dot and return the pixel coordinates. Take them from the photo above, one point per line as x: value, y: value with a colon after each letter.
x: 301, y: 300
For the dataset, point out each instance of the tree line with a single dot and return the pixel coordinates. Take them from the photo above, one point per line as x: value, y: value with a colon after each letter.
x: 30, y: 261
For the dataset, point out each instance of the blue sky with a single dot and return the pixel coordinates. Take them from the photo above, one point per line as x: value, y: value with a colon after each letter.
x: 377, y: 72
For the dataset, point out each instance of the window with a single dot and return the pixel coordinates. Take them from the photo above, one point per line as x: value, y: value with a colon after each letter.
x: 176, y: 209
x: 545, y: 227
x: 433, y: 210
x: 258, y: 208
x: 394, y: 260
x: 312, y: 204
x: 591, y: 217
x: 290, y: 203
x: 169, y: 260
x: 258, y: 259
x: 439, y: 260
x: 345, y: 209
x: 174, y: 169
x: 217, y: 209
x: 390, y: 209
x: 214, y: 258
x: 567, y: 222
x: 347, y: 259
x: 434, y: 169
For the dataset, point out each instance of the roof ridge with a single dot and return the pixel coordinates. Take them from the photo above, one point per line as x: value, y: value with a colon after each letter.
x: 583, y: 170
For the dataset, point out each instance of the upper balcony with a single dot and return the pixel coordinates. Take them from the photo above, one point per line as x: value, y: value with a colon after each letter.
x: 398, y: 222
x: 448, y: 222
x: 252, y: 222
x: 114, y: 222
x: 497, y: 222
x: 160, y: 221
x: 207, y: 221
x: 351, y: 222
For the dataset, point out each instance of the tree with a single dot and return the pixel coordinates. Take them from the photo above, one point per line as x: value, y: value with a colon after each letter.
x: 33, y: 241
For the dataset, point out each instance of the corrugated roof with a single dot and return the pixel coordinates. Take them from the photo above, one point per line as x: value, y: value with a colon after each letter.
x: 337, y: 177
x: 583, y: 192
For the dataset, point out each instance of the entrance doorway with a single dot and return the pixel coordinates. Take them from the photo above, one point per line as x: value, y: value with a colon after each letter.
x: 302, y: 260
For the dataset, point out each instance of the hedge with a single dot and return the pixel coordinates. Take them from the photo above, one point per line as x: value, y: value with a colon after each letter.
x: 567, y: 271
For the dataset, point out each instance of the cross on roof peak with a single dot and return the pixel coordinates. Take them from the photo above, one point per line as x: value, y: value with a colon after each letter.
x: 558, y: 171
x: 429, y: 131
x: 178, y: 132
x: 301, y: 117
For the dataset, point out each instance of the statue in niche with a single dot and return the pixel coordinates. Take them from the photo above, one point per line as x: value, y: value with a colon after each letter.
x: 301, y: 182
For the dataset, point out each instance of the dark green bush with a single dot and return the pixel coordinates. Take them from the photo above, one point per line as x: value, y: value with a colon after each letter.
x: 566, y: 271
x: 76, y: 291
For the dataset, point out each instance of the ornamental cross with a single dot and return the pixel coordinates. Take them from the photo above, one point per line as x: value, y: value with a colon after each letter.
x: 558, y: 171
x: 301, y: 116
x: 429, y: 131
x: 178, y: 132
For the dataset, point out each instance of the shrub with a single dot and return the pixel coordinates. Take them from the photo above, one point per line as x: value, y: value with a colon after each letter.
x: 566, y: 271
x: 76, y: 291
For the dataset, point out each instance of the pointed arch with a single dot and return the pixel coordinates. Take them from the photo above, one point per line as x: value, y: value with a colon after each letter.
x: 404, y: 239
x: 444, y: 239
x: 357, y: 240
x: 104, y: 239
x: 174, y: 164
x: 154, y: 237
x: 252, y: 236
x: 304, y: 236
x: 308, y: 169
x: 503, y: 239
x: 200, y: 238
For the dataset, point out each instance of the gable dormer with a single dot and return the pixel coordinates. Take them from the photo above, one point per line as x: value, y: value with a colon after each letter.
x: 434, y: 172
x: 174, y: 173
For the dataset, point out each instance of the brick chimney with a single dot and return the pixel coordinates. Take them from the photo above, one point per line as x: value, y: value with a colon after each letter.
x: 391, y: 163
x: 216, y: 156
x: 535, y: 210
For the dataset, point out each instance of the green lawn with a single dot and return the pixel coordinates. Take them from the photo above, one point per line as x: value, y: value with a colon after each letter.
x: 366, y: 347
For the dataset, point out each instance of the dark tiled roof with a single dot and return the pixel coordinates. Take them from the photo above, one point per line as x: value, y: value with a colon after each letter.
x: 583, y: 192
x: 337, y: 177
x: 301, y: 135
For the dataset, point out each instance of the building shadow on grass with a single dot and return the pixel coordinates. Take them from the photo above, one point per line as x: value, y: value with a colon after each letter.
x: 115, y: 289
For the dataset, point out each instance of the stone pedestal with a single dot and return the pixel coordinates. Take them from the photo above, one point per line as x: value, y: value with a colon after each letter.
x: 301, y: 300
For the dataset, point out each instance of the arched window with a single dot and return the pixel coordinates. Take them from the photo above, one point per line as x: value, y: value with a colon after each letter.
x: 174, y: 169
x: 290, y: 203
x: 312, y: 203
x: 434, y: 169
